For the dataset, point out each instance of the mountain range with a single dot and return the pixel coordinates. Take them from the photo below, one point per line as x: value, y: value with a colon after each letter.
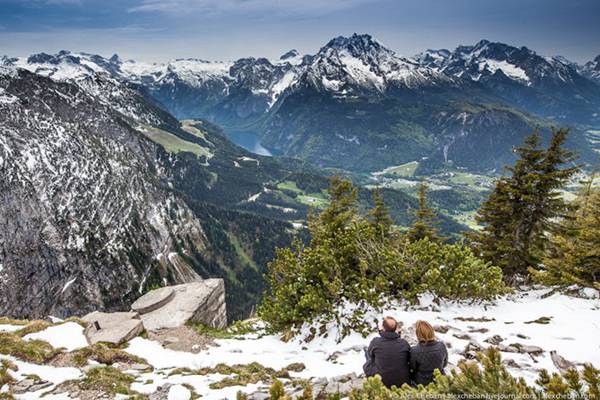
x: 357, y: 105
x: 105, y: 195
x: 118, y: 176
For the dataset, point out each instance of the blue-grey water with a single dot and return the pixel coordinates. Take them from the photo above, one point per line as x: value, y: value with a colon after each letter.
x: 249, y: 141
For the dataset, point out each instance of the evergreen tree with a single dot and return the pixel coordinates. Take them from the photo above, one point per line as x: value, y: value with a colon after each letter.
x: 380, y: 215
x: 342, y: 205
x: 521, y: 210
x: 425, y: 219
x: 573, y: 256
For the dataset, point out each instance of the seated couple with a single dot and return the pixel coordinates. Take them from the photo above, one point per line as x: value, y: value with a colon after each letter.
x: 392, y: 358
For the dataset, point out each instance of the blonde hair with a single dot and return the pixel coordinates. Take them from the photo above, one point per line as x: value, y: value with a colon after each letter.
x: 425, y: 332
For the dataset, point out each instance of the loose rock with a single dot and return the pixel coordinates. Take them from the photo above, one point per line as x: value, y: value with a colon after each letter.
x: 30, y: 385
x: 495, y: 340
x: 115, y: 328
x: 528, y: 349
x: 560, y: 362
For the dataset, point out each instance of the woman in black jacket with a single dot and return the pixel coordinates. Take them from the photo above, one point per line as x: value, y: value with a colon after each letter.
x: 427, y: 356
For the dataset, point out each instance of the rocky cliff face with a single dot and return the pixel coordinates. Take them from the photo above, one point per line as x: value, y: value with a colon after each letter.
x: 592, y: 69
x: 87, y: 219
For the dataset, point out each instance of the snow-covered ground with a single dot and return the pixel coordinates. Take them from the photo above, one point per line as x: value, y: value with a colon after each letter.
x: 10, y: 328
x: 68, y: 336
x: 572, y: 329
x: 55, y: 375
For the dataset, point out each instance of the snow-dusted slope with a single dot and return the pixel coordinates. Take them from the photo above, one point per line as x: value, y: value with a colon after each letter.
x: 569, y: 332
x: 486, y: 59
x: 542, y: 326
x: 84, y: 214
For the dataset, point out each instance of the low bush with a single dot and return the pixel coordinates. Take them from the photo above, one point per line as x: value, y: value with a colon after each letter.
x: 235, y: 330
x: 362, y: 260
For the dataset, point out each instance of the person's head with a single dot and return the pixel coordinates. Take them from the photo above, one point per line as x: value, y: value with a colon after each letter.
x: 425, y: 332
x: 389, y: 324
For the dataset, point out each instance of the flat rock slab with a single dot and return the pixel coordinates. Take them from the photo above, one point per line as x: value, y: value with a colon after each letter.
x: 115, y: 328
x: 202, y: 301
x: 153, y: 300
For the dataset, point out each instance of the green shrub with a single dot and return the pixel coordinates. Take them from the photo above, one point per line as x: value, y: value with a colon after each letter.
x: 362, y: 260
x: 241, y: 374
x: 453, y: 271
x: 235, y: 330
x: 276, y: 392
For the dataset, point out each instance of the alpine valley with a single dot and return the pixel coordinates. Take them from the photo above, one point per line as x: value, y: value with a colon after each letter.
x: 119, y: 176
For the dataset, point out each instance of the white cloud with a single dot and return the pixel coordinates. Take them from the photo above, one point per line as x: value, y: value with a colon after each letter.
x: 213, y: 7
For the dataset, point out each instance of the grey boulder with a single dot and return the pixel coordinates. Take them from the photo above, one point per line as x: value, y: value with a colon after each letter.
x: 115, y: 328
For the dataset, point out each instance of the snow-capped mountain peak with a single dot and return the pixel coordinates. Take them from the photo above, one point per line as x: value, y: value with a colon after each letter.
x: 493, y: 61
x: 359, y: 63
x: 591, y: 69
x: 290, y: 54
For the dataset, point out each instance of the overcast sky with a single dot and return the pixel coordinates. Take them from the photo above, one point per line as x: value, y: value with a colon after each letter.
x: 158, y: 30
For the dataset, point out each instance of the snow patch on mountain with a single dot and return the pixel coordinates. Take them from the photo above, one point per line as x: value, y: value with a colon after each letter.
x: 7, y: 98
x: 289, y: 79
x: 510, y: 70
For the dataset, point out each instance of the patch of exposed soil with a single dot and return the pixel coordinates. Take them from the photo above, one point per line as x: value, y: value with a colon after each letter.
x: 63, y: 360
x: 75, y: 392
x: 182, y: 338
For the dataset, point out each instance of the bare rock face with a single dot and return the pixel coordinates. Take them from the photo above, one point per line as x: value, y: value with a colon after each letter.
x: 560, y: 362
x: 170, y: 307
x: 115, y: 328
x: 85, y: 216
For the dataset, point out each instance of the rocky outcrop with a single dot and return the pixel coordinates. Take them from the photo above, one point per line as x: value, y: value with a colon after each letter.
x: 160, y: 309
x: 170, y: 307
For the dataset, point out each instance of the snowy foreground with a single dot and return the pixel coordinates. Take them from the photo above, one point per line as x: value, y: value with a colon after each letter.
x: 572, y: 331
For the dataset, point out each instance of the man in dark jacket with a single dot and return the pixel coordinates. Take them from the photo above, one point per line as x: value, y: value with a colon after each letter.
x: 389, y: 356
